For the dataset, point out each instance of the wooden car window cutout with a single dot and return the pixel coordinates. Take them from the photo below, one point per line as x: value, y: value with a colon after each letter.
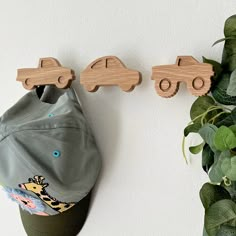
x: 114, y: 63
x: 109, y: 71
x: 98, y: 64
x: 186, y: 61
x: 49, y: 71
x: 187, y: 69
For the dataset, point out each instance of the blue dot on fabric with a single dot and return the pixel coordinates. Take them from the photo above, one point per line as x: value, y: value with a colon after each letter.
x: 50, y: 115
x: 56, y: 153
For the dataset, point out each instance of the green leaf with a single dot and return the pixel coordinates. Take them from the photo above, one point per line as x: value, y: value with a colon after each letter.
x: 220, y: 117
x: 233, y: 116
x: 229, y: 120
x: 223, y: 39
x: 193, y: 128
x: 196, y: 149
x: 231, y: 189
x: 229, y: 56
x: 226, y: 230
x: 215, y: 174
x: 204, y: 232
x: 224, y: 139
x: 221, y: 212
x: 211, y: 193
x: 219, y: 90
x: 228, y: 167
x: 208, y: 132
x: 229, y: 51
x: 230, y: 26
x: 233, y: 128
x: 207, y: 158
x: 200, y: 106
x: 231, y: 90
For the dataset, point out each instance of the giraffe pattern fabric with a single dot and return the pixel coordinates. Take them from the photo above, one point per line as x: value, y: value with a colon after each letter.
x: 37, y: 186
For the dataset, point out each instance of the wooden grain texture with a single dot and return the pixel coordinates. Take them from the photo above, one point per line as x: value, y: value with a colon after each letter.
x: 187, y: 69
x: 49, y: 71
x: 109, y: 71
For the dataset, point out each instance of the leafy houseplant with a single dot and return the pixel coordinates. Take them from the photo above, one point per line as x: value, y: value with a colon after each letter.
x: 215, y: 121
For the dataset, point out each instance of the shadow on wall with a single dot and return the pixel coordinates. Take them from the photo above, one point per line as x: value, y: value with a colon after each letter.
x: 103, y: 108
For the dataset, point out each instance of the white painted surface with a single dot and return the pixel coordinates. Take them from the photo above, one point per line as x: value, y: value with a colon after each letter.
x: 145, y: 188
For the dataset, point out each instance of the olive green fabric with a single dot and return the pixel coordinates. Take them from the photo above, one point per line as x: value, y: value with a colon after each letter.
x: 68, y: 223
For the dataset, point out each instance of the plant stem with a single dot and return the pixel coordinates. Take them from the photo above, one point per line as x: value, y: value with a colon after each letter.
x: 213, y: 118
x: 211, y: 108
x: 183, y: 150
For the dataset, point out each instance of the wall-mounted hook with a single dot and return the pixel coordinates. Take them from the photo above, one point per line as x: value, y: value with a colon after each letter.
x: 187, y: 69
x: 49, y: 71
x: 108, y: 71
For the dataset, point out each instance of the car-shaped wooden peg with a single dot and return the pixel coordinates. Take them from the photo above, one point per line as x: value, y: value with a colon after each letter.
x: 187, y: 69
x: 108, y: 71
x: 49, y: 71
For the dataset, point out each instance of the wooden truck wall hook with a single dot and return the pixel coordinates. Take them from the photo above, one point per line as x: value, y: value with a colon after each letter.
x: 196, y: 75
x: 49, y: 71
x: 107, y: 71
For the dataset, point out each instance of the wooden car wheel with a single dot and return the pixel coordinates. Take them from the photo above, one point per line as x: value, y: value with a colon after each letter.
x: 127, y: 87
x: 91, y: 88
x: 166, y: 88
x: 27, y: 84
x: 62, y: 82
x: 199, y: 86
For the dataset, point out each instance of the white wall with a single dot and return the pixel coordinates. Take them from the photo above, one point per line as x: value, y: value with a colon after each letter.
x: 145, y: 187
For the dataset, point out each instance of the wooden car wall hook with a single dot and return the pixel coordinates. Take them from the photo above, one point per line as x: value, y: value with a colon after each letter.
x: 49, y: 71
x: 108, y: 71
x: 187, y: 69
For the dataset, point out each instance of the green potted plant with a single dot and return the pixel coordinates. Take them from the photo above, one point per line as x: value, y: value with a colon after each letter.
x: 213, y: 117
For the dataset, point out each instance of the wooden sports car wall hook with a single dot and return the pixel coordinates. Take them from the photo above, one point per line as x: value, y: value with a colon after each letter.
x: 108, y: 71
x: 49, y: 71
x: 196, y: 75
